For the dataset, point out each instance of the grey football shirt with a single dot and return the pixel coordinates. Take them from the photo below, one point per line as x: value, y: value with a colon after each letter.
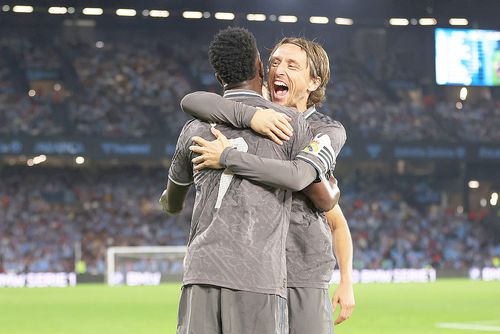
x: 309, y: 253
x: 238, y: 229
x: 310, y: 258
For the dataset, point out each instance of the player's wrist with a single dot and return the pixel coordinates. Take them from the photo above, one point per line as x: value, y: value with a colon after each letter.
x: 255, y: 120
x: 248, y: 116
x: 225, y: 155
x: 346, y: 279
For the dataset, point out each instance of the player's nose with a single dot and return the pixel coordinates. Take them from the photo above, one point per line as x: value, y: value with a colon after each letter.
x: 280, y: 69
x: 279, y: 73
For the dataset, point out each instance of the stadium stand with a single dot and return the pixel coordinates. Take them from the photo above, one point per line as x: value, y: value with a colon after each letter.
x: 46, y: 212
x: 132, y: 89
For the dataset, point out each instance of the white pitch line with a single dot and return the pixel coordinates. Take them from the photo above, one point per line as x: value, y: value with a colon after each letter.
x: 476, y: 327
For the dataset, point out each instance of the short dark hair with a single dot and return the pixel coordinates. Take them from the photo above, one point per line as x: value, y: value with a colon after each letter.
x: 232, y: 54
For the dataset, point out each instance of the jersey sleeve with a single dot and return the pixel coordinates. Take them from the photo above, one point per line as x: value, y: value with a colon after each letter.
x: 337, y: 136
x: 294, y: 174
x: 300, y: 141
x: 290, y: 175
x: 326, y: 146
x: 181, y: 168
x: 211, y: 107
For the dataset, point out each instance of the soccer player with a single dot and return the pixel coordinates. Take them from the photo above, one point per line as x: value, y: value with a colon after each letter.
x: 292, y: 64
x: 235, y: 266
x: 298, y: 73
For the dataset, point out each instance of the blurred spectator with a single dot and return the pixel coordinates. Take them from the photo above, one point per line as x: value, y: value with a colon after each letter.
x: 46, y: 213
x: 133, y: 89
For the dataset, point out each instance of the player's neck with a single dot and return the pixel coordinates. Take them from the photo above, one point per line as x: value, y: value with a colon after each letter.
x: 253, y: 85
x: 301, y: 106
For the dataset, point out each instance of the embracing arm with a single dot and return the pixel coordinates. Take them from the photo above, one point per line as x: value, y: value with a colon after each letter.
x: 292, y: 175
x: 324, y: 195
x: 211, y: 107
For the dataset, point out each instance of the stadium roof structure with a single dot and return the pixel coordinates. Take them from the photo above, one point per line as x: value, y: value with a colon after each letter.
x: 366, y: 12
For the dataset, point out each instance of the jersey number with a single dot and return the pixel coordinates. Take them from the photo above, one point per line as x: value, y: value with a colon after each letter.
x: 241, y: 145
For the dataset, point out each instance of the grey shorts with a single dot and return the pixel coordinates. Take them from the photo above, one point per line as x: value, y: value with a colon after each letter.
x: 207, y: 309
x: 309, y: 311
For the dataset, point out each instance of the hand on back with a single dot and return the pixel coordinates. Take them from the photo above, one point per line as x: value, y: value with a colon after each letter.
x: 274, y: 125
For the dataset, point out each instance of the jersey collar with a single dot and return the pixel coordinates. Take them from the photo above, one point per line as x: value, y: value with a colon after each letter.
x: 309, y: 112
x: 231, y: 93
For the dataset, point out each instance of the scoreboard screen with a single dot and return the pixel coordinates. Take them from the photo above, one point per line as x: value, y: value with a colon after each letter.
x: 468, y: 57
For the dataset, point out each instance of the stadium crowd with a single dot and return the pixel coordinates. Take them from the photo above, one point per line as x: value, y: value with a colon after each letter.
x: 45, y: 215
x: 130, y: 88
x: 127, y: 91
x: 48, y: 214
x: 402, y: 227
x: 133, y: 89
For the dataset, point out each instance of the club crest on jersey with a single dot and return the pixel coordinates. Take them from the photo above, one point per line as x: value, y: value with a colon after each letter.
x: 313, y: 147
x: 319, y: 142
x: 321, y: 147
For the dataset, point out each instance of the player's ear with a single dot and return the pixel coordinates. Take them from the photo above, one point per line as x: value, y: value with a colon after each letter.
x: 219, y: 79
x: 314, y: 83
x: 261, y: 69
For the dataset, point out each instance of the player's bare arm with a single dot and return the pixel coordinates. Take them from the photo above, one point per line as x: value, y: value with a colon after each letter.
x: 344, y: 294
x: 172, y: 199
x: 211, y: 107
x: 180, y: 175
x: 325, y: 194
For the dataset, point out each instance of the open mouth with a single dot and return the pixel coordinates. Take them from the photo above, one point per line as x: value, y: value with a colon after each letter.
x: 280, y: 89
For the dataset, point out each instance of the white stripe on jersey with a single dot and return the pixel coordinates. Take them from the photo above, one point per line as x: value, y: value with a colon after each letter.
x: 179, y: 183
x: 309, y: 112
x: 236, y: 93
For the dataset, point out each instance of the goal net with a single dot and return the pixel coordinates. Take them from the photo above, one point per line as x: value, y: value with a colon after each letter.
x: 144, y: 265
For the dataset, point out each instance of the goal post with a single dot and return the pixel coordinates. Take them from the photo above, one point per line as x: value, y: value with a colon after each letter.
x: 144, y: 265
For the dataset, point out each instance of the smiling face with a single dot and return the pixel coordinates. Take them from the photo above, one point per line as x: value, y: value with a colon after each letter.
x: 290, y: 80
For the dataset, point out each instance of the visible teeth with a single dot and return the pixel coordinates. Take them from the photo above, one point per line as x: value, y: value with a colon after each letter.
x: 279, y: 83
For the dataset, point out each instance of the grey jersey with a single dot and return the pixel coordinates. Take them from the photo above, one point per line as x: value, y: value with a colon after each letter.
x: 238, y: 229
x: 309, y: 253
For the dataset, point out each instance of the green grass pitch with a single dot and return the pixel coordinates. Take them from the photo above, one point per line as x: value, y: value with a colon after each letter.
x: 473, y: 307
